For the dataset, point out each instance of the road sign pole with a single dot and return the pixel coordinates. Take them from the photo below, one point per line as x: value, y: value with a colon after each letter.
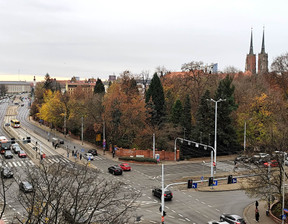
x: 162, y: 196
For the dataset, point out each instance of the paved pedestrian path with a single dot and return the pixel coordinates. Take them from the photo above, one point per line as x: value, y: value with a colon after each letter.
x: 249, y: 214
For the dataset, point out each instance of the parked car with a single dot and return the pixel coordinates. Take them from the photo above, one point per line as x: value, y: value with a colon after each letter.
x: 116, y: 170
x: 260, y: 158
x: 8, y: 154
x: 93, y: 152
x: 217, y: 222
x: 7, y: 124
x: 22, y: 154
x: 26, y: 187
x: 88, y: 156
x: 273, y: 163
x: 232, y: 219
x: 7, y: 172
x: 61, y: 141
x: 14, y: 145
x: 157, y: 192
x: 125, y: 167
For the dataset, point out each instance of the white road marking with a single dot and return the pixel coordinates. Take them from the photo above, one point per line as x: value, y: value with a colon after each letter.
x: 180, y: 215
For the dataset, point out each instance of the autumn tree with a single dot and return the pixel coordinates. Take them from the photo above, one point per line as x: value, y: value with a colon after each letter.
x: 52, y: 110
x: 124, y: 110
x: 3, y: 89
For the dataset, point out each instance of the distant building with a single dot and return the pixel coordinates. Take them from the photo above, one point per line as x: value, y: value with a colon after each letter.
x: 262, y: 58
x: 17, y: 86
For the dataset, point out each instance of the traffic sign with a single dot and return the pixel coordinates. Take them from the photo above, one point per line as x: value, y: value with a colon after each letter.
x: 194, y: 185
x: 214, y: 164
x: 215, y: 183
x: 202, y: 178
x: 283, y: 217
x: 285, y: 210
x: 234, y: 180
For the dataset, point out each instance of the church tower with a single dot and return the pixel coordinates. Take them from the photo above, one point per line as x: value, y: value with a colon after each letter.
x: 262, y: 59
x: 251, y: 58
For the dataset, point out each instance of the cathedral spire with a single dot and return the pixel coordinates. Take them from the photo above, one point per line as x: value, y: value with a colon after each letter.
x: 263, y: 44
x: 251, y: 42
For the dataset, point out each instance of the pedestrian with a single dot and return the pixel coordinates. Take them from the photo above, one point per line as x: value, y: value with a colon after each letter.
x: 80, y: 156
x: 67, y: 154
x: 72, y: 152
x: 256, y: 204
x: 113, y: 153
x: 257, y: 215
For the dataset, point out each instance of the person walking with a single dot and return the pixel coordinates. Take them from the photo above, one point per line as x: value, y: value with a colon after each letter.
x: 256, y: 204
x: 80, y: 156
x: 257, y: 215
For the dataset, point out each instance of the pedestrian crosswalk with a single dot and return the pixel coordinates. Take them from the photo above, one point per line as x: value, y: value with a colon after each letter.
x: 11, y: 164
x: 49, y: 159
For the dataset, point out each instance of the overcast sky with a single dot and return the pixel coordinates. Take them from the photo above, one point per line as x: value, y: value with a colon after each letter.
x: 91, y: 38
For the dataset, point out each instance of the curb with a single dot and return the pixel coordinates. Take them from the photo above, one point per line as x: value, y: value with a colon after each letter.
x: 245, y: 212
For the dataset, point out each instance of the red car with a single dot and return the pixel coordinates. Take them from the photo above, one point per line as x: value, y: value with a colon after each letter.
x: 22, y: 154
x: 125, y: 167
x: 273, y: 163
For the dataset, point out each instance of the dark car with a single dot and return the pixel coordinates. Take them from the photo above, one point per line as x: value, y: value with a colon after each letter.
x: 232, y: 219
x: 7, y: 124
x: 116, y: 170
x: 157, y: 192
x: 61, y: 141
x: 93, y: 152
x: 7, y: 172
x: 8, y: 154
x: 25, y: 186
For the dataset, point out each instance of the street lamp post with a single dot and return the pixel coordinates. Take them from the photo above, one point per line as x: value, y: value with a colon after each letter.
x: 215, y: 132
x: 283, y: 190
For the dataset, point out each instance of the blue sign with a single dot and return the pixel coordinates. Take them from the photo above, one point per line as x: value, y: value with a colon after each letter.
x: 234, y: 180
x: 89, y: 158
x: 202, y: 178
x: 194, y: 185
x: 215, y: 183
x: 283, y: 217
x: 285, y: 210
x: 82, y: 150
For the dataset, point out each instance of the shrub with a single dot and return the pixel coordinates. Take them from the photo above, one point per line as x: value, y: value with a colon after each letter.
x: 138, y: 159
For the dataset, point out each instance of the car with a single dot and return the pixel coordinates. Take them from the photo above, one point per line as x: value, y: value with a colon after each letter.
x: 8, y: 154
x: 22, y: 105
x: 157, y: 192
x: 125, y: 167
x: 217, y: 222
x: 7, y: 172
x: 232, y: 219
x: 273, y: 163
x: 88, y: 156
x: 26, y: 187
x: 17, y: 149
x: 93, y: 152
x: 14, y: 145
x: 116, y: 170
x: 7, y: 124
x: 22, y: 154
x: 61, y: 141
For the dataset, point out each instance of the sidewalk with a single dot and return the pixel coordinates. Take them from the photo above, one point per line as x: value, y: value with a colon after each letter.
x: 249, y: 214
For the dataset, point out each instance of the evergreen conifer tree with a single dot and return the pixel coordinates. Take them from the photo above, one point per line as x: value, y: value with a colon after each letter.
x: 99, y: 87
x: 155, y: 93
x: 177, y: 112
x: 226, y: 133
x: 186, y: 119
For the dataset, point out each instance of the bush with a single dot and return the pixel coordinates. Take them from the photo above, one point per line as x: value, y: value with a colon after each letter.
x: 138, y: 159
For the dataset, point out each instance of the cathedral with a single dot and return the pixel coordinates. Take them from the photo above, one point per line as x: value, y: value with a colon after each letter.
x: 262, y: 59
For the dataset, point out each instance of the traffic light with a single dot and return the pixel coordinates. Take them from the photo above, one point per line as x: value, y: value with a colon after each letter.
x: 210, y: 181
x: 230, y: 178
x: 164, y: 213
x: 190, y: 183
x: 12, y: 140
x: 28, y: 139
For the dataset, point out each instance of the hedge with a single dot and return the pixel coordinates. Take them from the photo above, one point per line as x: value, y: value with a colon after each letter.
x: 138, y: 159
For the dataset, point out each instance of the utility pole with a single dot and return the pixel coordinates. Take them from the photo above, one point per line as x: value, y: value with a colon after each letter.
x: 244, y: 136
x: 215, y: 132
x: 82, y: 130
x: 283, y: 190
x: 65, y: 124
x: 104, y: 138
x: 153, y: 145
x: 162, y: 197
